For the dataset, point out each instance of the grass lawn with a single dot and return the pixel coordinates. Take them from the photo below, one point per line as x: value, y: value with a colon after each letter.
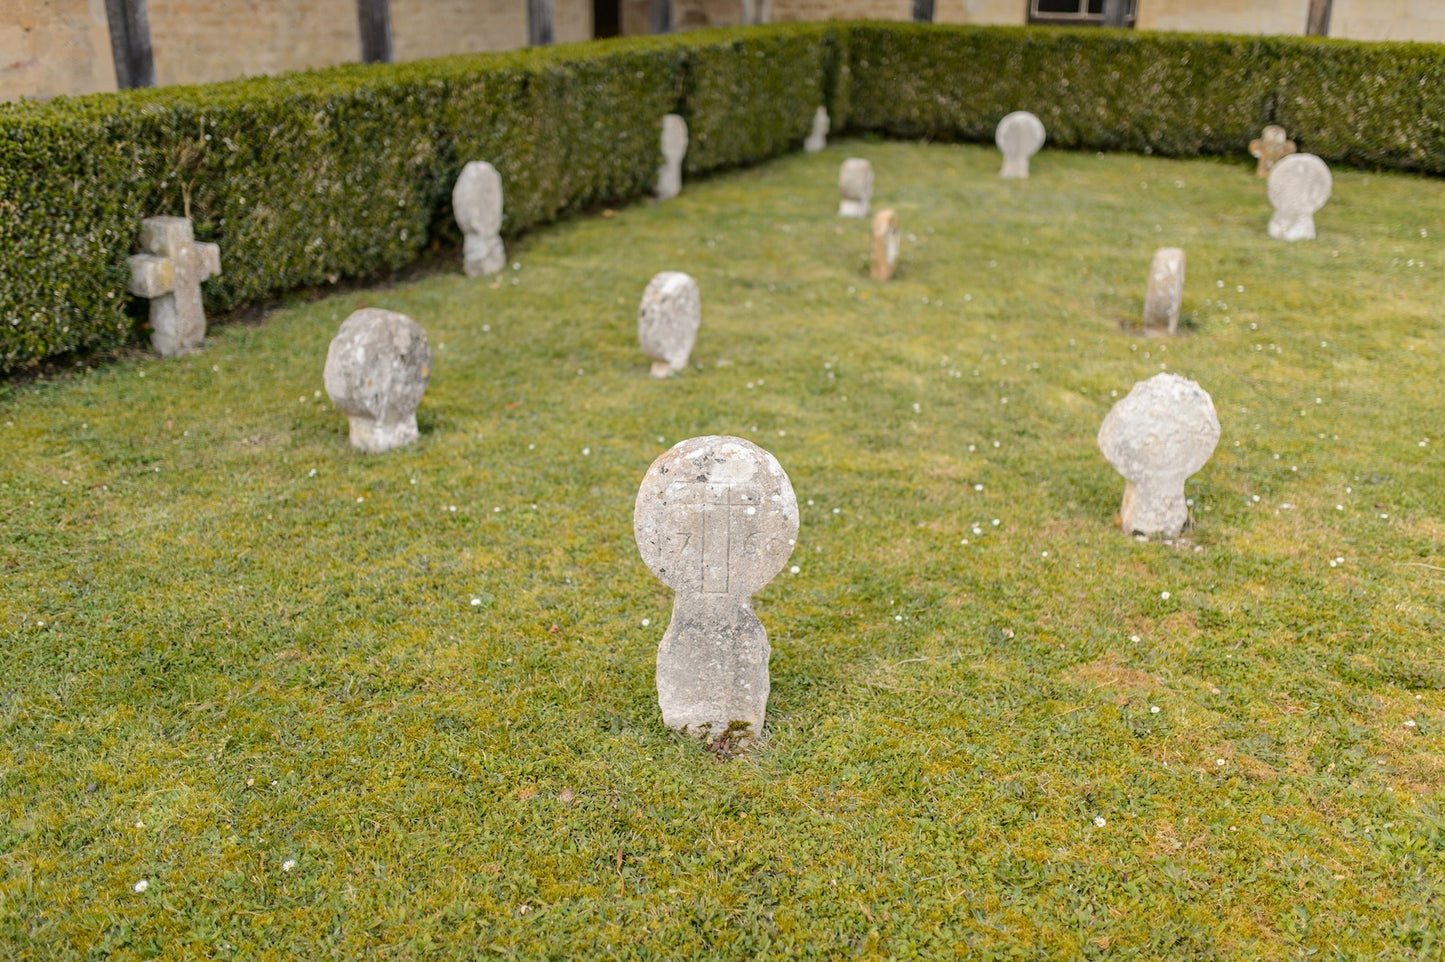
x: 336, y: 705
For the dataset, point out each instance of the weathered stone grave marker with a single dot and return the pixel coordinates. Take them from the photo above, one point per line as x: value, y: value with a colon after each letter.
x: 667, y: 321
x: 377, y: 369
x: 885, y: 245
x: 1163, y: 431
x: 817, y: 139
x: 169, y: 271
x: 1270, y: 147
x: 477, y: 204
x: 715, y: 520
x: 1019, y: 135
x: 1298, y: 186
x: 674, y: 148
x: 1164, y: 296
x: 855, y: 183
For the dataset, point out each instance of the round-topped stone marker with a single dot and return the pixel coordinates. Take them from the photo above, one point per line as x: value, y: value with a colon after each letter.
x: 715, y: 521
x: 1019, y: 135
x: 1163, y: 431
x: 855, y: 183
x: 376, y: 373
x: 1298, y: 186
x: 667, y: 321
x: 477, y: 205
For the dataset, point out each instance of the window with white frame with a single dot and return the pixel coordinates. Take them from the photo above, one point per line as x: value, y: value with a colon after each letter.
x: 1080, y: 12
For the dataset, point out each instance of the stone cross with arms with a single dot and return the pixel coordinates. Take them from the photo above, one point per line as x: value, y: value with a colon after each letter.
x: 170, y: 272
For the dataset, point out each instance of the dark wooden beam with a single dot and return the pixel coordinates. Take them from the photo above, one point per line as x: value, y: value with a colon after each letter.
x: 659, y: 16
x: 922, y: 11
x: 1116, y: 13
x: 539, y: 23
x: 374, y: 17
x: 1319, y: 22
x: 130, y: 43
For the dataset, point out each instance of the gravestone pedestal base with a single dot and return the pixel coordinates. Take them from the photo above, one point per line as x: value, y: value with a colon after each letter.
x: 712, y: 670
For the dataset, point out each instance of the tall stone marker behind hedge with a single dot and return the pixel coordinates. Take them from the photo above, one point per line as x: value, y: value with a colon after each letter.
x: 1019, y: 135
x: 715, y: 521
x: 817, y: 138
x: 377, y: 370
x: 477, y: 204
x: 674, y: 148
x: 1163, y: 431
x: 169, y: 271
x: 1298, y: 186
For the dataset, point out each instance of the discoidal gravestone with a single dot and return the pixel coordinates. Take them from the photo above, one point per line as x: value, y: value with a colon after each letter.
x: 477, y: 204
x: 1298, y: 186
x: 715, y: 521
x: 1163, y: 431
x: 169, y: 270
x: 817, y: 139
x: 674, y: 148
x: 377, y: 369
x: 667, y: 321
x: 855, y: 183
x: 1019, y: 135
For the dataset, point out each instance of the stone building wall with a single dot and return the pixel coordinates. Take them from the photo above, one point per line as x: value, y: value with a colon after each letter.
x: 1389, y: 20
x: 50, y: 47
x: 1225, y: 16
x: 981, y: 11
x: 201, y: 41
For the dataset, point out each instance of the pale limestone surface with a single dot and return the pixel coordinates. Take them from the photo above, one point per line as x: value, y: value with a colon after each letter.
x: 1019, y: 135
x: 1298, y: 186
x: 674, y: 148
x: 855, y: 183
x: 1271, y: 146
x: 716, y: 519
x: 1165, y: 294
x: 1163, y: 431
x: 376, y: 372
x: 169, y: 271
x: 818, y: 138
x: 477, y: 204
x: 884, y: 260
x: 667, y: 321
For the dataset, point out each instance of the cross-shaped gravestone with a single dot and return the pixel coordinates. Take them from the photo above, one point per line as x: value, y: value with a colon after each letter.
x: 884, y: 260
x: 855, y: 184
x: 477, y: 204
x: 1271, y: 146
x: 169, y: 272
x: 1019, y: 135
x: 674, y: 148
x: 667, y: 321
x: 1164, y: 296
x: 818, y: 138
x: 1298, y: 186
x: 1163, y: 431
x: 715, y: 520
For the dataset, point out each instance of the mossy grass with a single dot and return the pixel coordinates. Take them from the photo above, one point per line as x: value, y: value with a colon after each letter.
x: 402, y: 706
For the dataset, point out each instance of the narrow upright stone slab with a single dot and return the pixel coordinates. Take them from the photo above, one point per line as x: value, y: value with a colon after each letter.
x: 376, y: 372
x: 885, y: 245
x: 715, y: 521
x: 1298, y: 186
x: 674, y: 148
x: 1271, y: 146
x: 477, y: 203
x: 1019, y: 135
x: 818, y: 138
x: 1163, y: 431
x: 855, y: 183
x: 169, y: 271
x: 667, y: 321
x: 1165, y: 294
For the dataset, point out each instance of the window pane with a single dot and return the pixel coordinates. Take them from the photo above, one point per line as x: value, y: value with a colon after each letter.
x: 1057, y: 6
x: 1096, y: 7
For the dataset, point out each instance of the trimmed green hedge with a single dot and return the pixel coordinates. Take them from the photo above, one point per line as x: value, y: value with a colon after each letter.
x: 347, y: 172
x: 1365, y: 104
